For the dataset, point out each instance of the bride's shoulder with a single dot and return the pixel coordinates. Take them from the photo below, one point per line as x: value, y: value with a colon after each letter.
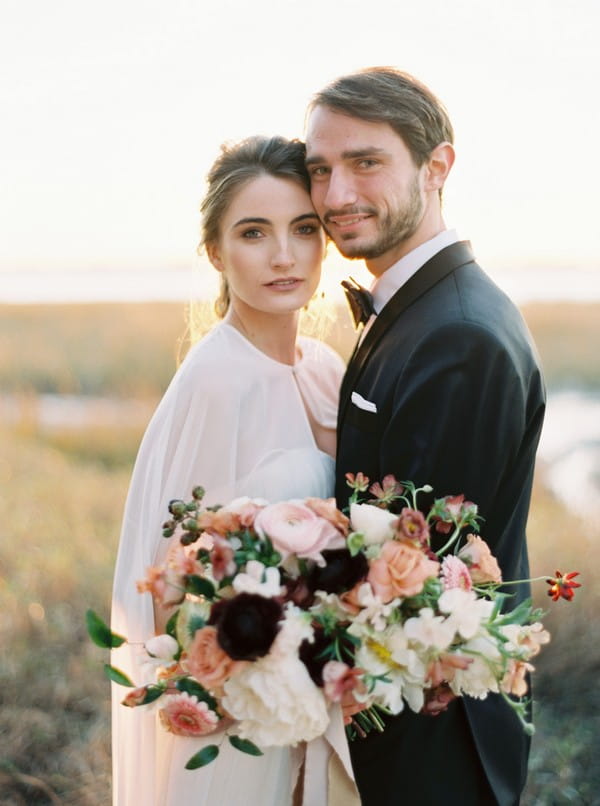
x: 317, y: 353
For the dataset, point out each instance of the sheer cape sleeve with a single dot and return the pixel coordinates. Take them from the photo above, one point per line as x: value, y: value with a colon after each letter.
x: 234, y: 421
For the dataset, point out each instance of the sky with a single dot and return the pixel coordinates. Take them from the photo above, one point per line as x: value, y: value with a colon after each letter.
x: 113, y: 112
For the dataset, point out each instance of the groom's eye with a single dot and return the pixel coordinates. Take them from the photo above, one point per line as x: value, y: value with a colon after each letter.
x: 319, y: 171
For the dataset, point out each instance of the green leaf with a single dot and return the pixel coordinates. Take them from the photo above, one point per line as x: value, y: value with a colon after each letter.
x: 194, y: 689
x: 117, y: 676
x: 199, y: 586
x: 203, y: 757
x: 100, y: 632
x: 355, y: 542
x: 245, y: 746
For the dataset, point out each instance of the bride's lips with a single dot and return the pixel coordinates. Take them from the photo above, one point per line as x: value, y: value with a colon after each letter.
x: 285, y: 283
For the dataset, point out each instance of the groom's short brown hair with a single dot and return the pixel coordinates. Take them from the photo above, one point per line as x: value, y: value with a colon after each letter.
x: 388, y: 95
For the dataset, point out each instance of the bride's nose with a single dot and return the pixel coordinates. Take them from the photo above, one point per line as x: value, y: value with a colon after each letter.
x: 283, y: 256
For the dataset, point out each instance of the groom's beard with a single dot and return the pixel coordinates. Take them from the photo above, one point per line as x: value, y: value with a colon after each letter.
x: 393, y: 229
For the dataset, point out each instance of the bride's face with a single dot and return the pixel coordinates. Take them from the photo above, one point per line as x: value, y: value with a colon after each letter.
x: 271, y: 246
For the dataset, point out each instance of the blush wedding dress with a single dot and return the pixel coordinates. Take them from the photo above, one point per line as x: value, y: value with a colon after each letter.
x: 234, y: 421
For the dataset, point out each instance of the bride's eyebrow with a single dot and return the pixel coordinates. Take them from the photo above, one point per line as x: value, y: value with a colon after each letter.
x: 251, y: 220
x: 305, y: 217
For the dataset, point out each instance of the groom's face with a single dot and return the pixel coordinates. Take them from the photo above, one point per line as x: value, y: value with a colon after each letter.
x: 365, y: 186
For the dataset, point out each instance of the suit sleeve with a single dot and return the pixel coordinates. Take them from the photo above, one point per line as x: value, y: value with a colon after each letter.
x: 458, y: 414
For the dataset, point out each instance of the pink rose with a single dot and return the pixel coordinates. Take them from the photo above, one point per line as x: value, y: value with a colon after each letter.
x: 482, y: 564
x: 400, y: 570
x: 293, y: 528
x: 184, y: 715
x: 207, y: 662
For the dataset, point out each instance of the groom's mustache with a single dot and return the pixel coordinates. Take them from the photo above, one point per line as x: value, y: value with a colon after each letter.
x: 346, y: 211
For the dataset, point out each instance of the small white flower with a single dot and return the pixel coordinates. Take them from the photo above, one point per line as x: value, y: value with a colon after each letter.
x: 258, y: 579
x: 487, y: 667
x: 162, y: 647
x: 373, y: 610
x: 373, y: 523
x: 467, y: 611
x: 430, y: 630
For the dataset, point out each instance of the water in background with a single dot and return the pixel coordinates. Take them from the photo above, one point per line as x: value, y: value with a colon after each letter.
x: 526, y: 285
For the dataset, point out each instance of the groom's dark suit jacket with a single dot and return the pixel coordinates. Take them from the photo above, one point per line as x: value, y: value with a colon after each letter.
x: 460, y: 400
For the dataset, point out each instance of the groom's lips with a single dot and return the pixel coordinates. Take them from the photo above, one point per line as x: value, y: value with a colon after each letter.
x: 347, y: 221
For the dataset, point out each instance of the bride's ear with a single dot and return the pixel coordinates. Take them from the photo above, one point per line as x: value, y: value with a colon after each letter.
x: 214, y: 255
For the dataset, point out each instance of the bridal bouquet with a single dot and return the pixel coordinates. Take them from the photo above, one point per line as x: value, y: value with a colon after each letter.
x: 280, y: 609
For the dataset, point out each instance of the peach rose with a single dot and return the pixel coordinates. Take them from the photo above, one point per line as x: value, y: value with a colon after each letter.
x: 400, y: 570
x: 483, y: 566
x: 208, y: 662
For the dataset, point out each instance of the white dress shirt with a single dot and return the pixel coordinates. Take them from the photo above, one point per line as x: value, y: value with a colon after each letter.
x: 384, y: 287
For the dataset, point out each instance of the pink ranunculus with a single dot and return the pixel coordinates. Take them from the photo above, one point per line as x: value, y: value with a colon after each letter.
x: 184, y: 715
x: 293, y: 528
x: 207, y: 662
x: 400, y: 570
x: 483, y: 566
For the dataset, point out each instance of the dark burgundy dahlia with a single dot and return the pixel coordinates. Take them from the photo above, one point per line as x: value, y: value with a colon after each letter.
x: 246, y: 625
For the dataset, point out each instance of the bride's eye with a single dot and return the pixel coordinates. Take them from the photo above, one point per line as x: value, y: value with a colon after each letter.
x: 307, y: 229
x: 251, y: 234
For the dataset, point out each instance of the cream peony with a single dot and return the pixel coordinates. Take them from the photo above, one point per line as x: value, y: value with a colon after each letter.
x: 163, y: 647
x: 373, y: 523
x: 276, y: 703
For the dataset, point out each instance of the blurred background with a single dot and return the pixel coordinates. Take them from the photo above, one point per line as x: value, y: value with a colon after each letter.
x: 113, y: 113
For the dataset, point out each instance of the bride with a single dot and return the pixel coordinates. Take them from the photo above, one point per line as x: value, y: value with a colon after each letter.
x: 251, y: 411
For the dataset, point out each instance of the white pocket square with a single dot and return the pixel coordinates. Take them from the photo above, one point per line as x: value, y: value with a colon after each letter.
x: 360, y: 402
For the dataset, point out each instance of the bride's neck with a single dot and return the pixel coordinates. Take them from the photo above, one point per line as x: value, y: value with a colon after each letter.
x: 272, y: 334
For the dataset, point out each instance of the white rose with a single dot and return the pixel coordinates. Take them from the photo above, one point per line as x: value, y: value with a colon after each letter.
x: 373, y: 523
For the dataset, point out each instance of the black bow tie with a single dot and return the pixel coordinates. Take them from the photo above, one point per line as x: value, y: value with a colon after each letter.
x: 360, y: 301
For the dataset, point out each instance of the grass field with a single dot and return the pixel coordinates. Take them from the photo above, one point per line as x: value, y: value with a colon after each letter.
x: 60, y: 511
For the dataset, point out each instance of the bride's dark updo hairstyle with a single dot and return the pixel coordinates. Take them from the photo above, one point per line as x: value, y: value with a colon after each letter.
x: 237, y: 165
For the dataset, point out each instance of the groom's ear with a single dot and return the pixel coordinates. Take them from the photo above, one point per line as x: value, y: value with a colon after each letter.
x: 214, y: 255
x: 438, y: 166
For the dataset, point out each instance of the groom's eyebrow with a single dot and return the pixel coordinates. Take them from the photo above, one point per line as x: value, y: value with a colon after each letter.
x: 349, y: 154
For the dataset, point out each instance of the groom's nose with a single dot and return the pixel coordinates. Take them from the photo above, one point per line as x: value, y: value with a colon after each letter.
x: 340, y: 190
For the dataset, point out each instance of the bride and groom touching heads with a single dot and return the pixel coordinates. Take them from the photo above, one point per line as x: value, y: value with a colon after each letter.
x: 443, y: 388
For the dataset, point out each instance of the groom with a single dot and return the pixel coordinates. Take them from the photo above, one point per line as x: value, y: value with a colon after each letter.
x: 443, y: 388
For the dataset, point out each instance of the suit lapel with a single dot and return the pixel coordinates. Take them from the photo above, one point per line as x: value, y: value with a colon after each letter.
x: 438, y: 267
